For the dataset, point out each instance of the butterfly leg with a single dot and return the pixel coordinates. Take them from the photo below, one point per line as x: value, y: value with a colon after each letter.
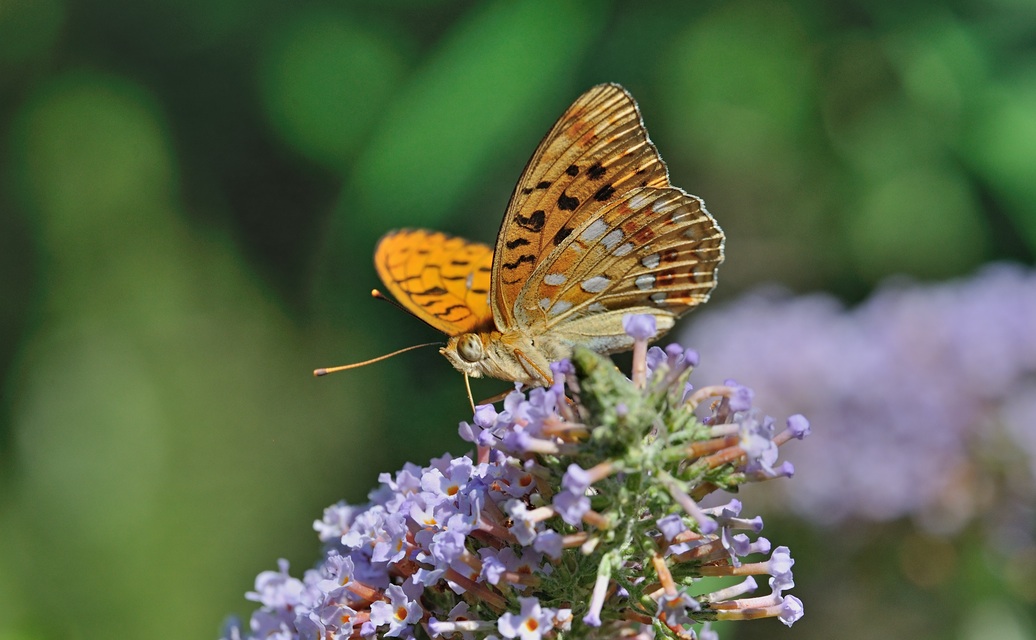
x: 483, y: 451
x: 471, y: 401
x: 545, y: 377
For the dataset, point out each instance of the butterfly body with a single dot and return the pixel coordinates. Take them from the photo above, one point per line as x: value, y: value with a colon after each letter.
x: 513, y: 355
x: 594, y: 231
x: 518, y: 357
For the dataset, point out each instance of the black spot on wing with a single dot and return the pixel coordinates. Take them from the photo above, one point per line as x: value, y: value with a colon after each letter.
x: 604, y: 193
x: 434, y: 291
x: 544, y: 184
x: 572, y: 170
x: 534, y: 222
x: 448, y: 310
x: 519, y: 261
x: 567, y: 202
x: 560, y: 236
x: 517, y: 242
x: 596, y: 171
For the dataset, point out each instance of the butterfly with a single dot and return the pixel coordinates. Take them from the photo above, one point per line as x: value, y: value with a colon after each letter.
x: 593, y: 231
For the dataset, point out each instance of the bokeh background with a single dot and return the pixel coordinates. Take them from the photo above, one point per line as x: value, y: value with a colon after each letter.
x: 190, y: 193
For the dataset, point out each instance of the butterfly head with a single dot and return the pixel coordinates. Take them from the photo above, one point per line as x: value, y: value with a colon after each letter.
x: 506, y: 356
x: 466, y: 352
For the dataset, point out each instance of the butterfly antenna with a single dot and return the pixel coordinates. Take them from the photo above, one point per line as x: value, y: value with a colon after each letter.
x: 327, y: 370
x: 377, y: 295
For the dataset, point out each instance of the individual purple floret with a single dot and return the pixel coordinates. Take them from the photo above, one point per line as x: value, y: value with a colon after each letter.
x: 570, y: 522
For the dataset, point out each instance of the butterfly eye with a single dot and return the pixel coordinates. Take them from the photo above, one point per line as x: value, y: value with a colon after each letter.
x: 470, y: 347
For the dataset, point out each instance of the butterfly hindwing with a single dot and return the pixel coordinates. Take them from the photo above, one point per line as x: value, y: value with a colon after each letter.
x: 594, y: 155
x: 655, y: 250
x: 442, y: 279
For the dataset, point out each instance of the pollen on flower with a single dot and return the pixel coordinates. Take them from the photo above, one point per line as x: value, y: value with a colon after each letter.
x: 599, y: 475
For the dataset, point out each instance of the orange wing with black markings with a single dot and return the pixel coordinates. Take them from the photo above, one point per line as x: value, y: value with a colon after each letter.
x: 595, y: 154
x: 442, y: 279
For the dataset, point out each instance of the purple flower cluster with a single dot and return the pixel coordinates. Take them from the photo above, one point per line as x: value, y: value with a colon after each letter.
x: 577, y: 516
x: 926, y: 394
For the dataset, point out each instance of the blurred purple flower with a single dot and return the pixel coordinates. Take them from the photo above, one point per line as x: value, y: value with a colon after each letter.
x: 914, y: 392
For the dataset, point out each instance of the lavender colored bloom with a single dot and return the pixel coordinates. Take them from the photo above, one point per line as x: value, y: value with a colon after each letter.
x: 737, y: 543
x: 780, y: 567
x: 277, y: 589
x: 576, y: 480
x: 757, y: 442
x: 398, y: 613
x: 639, y: 326
x: 485, y: 415
x: 751, y: 524
x: 731, y: 509
x: 563, y: 619
x: 671, y: 526
x: 448, y: 546
x: 530, y: 624
x: 672, y: 356
x: 600, y: 592
x: 674, y: 608
x: 915, y: 388
x: 446, y: 484
x: 791, y: 610
x: 494, y: 563
x: 336, y: 521
x: 798, y: 425
x: 742, y: 398
x: 571, y: 507
x: 523, y: 527
x: 561, y: 370
x: 336, y: 571
x: 390, y: 546
x: 549, y: 543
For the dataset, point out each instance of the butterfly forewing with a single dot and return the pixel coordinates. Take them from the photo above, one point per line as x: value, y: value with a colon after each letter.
x: 595, y: 154
x: 443, y: 280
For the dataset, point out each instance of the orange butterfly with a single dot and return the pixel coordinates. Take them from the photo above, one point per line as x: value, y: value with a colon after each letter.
x: 593, y: 231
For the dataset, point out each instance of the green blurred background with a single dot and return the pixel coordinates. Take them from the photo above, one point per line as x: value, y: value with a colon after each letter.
x: 190, y: 192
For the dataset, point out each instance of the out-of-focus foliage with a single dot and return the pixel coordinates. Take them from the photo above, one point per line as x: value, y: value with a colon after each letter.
x: 190, y: 193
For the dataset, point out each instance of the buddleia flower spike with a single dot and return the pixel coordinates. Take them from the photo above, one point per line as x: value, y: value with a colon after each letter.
x: 588, y: 519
